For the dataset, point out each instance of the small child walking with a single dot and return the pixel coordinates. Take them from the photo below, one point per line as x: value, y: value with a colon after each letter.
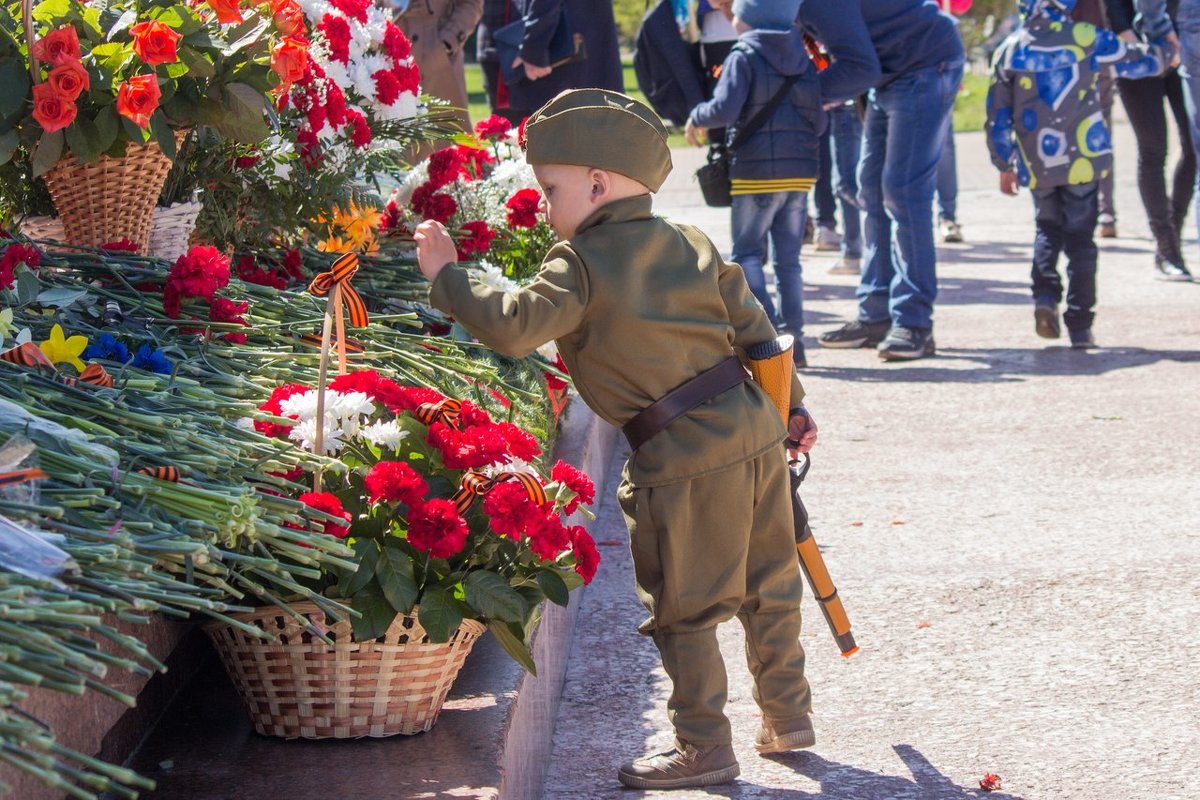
x: 772, y: 171
x: 1046, y: 131
x: 641, y: 308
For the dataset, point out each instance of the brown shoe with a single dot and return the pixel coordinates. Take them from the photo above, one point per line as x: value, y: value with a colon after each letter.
x: 681, y: 766
x: 794, y: 735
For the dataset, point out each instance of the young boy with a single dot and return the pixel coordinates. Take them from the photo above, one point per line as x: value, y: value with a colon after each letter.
x: 772, y: 171
x: 638, y: 307
x: 1046, y: 131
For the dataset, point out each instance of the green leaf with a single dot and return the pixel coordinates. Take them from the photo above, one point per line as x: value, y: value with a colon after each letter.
x: 61, y: 296
x: 8, y: 145
x: 244, y: 121
x: 14, y: 86
x: 112, y: 56
x: 82, y: 138
x: 395, y: 574
x: 184, y: 20
x: 377, y: 612
x: 106, y: 128
x: 176, y: 70
x: 367, y: 551
x: 245, y: 34
x: 491, y: 596
x: 46, y: 153
x: 123, y: 22
x: 197, y: 63
x: 553, y: 586
x: 513, y: 644
x: 27, y: 286
x: 163, y: 134
x: 52, y: 11
x: 438, y: 615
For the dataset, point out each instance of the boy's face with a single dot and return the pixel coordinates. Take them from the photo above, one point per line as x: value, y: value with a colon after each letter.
x: 569, y: 195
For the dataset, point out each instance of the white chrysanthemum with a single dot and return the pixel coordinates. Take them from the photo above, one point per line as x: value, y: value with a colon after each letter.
x: 302, y: 406
x: 386, y: 433
x: 406, y: 106
x: 513, y: 465
x: 305, y: 433
x: 415, y: 177
x: 491, y: 277
x: 337, y: 72
x: 347, y: 405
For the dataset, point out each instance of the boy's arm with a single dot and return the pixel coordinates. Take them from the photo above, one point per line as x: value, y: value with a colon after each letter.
x: 511, y: 323
x: 842, y: 29
x: 999, y: 126
x: 1136, y: 60
x: 729, y: 95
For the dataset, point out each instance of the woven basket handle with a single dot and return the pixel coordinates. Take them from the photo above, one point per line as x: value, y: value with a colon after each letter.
x: 27, y: 18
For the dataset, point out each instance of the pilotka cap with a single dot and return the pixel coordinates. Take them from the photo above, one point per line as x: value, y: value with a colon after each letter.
x: 602, y: 129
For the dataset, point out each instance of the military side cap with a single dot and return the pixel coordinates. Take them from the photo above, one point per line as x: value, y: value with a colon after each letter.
x: 603, y: 129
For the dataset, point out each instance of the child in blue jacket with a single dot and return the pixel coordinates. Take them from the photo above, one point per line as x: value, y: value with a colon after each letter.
x: 772, y: 172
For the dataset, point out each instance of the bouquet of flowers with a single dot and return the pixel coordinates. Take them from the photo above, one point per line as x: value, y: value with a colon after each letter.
x: 484, y: 191
x: 442, y: 505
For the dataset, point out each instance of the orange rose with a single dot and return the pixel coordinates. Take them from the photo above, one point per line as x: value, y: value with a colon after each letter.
x: 52, y: 111
x: 137, y: 99
x: 227, y: 11
x: 69, y: 80
x: 155, y: 42
x: 60, y: 44
x: 288, y: 16
x: 289, y: 59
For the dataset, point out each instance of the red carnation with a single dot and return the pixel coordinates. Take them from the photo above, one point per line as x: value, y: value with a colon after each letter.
x: 198, y: 273
x: 331, y: 505
x: 523, y: 208
x: 437, y: 528
x: 292, y: 265
x: 396, y: 482
x: 429, y: 203
x: 577, y: 482
x: 364, y: 380
x: 494, y: 127
x: 408, y: 76
x: 473, y: 160
x: 251, y: 272
x: 335, y: 104
x: 273, y: 407
x: 510, y: 509
x: 396, y: 43
x: 362, y: 131
x: 470, y: 415
x: 387, y: 86
x: 478, y: 242
x: 337, y: 34
x: 553, y: 382
x: 355, y: 9
x: 223, y: 309
x: 125, y: 245
x: 445, y: 166
x: 547, y: 536
x: 587, y: 557
x: 518, y: 442
x: 17, y: 254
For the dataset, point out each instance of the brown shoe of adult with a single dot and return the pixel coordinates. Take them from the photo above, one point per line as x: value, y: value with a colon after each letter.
x: 780, y: 738
x: 682, y: 766
x: 1045, y: 321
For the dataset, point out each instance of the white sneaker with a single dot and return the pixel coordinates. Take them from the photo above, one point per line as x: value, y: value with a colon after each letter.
x: 828, y: 239
x: 846, y: 265
x: 951, y: 231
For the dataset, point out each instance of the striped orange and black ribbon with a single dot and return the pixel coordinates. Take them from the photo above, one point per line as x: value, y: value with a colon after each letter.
x: 21, y: 476
x: 169, y: 473
x: 314, y: 340
x: 446, y: 411
x: 476, y: 484
x: 340, y: 274
x: 28, y: 355
x: 93, y: 375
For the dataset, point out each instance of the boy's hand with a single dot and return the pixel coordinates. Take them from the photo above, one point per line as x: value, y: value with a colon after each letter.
x: 435, y: 248
x: 802, y: 433
x: 695, y: 136
x: 1008, y: 183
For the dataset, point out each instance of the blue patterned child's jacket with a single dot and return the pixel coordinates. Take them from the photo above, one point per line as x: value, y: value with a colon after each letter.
x: 1043, y: 110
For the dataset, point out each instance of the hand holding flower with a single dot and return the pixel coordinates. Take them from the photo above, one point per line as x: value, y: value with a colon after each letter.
x: 435, y: 248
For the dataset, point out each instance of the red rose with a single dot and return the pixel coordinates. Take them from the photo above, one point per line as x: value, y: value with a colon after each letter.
x: 154, y: 42
x: 52, y: 110
x: 494, y: 127
x: 396, y: 43
x: 587, y: 557
x: 577, y: 482
x: 437, y: 528
x: 137, y: 99
x: 331, y: 505
x: 69, y: 79
x: 289, y: 58
x: 227, y: 11
x: 288, y: 16
x: 523, y: 208
x: 60, y: 44
x: 396, y: 482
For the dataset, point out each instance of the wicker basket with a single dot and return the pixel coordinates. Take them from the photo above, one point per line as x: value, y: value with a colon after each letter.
x: 300, y: 687
x: 112, y: 198
x: 43, y: 228
x: 171, y: 228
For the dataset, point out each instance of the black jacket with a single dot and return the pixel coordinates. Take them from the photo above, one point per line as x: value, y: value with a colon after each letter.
x: 668, y: 69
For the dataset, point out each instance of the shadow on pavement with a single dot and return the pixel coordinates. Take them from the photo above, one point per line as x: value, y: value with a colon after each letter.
x: 966, y: 365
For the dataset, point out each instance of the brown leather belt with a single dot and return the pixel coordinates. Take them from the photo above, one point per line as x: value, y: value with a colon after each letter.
x: 682, y: 399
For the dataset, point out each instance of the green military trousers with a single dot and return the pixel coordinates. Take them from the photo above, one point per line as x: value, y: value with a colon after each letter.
x: 708, y: 549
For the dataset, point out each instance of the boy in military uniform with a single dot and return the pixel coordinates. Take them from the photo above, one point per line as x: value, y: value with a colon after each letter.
x: 639, y: 307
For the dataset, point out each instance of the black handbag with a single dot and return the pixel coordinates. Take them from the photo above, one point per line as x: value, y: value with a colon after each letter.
x: 713, y: 176
x: 565, y: 47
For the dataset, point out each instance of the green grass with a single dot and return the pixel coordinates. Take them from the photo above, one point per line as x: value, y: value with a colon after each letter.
x: 969, y: 111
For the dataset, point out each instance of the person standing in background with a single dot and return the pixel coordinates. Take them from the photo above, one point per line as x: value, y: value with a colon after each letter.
x: 947, y: 171
x: 600, y: 69
x: 438, y: 29
x: 496, y: 14
x: 1093, y: 11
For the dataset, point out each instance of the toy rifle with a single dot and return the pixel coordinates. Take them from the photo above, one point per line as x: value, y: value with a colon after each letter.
x: 772, y: 368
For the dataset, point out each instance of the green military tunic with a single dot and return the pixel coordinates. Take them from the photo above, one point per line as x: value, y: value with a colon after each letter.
x: 638, y: 306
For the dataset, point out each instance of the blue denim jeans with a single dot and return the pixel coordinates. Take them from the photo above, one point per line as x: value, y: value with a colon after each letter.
x: 1066, y: 221
x: 780, y: 214
x: 947, y: 176
x: 1187, y: 26
x: 847, y: 133
x: 905, y: 125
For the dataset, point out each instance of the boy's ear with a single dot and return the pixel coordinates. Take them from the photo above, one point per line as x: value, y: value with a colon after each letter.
x: 600, y: 184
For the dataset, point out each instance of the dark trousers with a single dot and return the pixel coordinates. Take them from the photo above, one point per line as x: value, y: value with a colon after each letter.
x: 491, y: 84
x: 823, y: 190
x: 1143, y: 101
x: 1066, y: 222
